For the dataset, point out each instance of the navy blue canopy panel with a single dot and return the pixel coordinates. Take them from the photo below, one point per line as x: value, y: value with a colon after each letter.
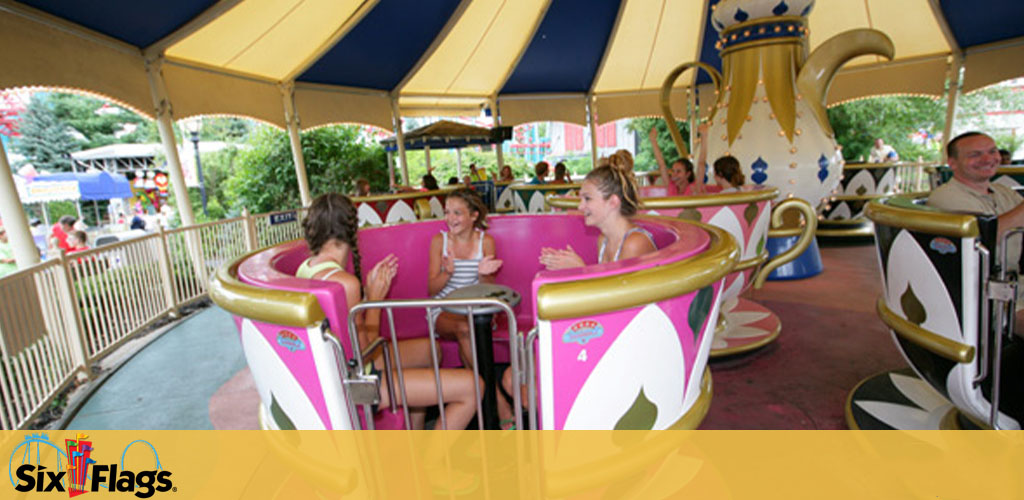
x: 566, y: 50
x: 980, y: 22
x: 384, y: 46
x: 708, y: 52
x: 137, y: 22
x: 95, y: 185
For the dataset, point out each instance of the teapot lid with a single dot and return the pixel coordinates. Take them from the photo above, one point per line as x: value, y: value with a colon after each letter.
x: 730, y: 12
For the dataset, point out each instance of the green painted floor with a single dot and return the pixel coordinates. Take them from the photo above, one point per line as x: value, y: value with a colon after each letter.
x: 168, y: 385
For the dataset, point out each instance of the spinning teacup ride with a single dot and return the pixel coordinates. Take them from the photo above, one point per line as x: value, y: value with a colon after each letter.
x: 743, y: 325
x: 843, y: 215
x: 622, y: 345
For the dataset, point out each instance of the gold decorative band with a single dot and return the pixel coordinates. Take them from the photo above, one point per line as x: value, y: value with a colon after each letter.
x: 587, y: 297
x: 403, y: 196
x: 933, y: 342
x: 921, y: 218
x: 543, y: 187
x: 694, y: 201
x: 276, y: 307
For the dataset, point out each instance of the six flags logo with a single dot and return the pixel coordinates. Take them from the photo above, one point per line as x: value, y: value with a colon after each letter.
x: 75, y: 478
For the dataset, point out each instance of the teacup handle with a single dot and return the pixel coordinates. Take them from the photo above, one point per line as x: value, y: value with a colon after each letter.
x: 806, y: 236
x: 666, y: 93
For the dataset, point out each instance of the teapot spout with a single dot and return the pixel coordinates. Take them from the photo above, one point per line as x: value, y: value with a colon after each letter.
x: 820, y: 67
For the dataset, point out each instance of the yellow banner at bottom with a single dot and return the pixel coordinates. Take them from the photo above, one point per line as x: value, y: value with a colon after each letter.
x: 516, y: 464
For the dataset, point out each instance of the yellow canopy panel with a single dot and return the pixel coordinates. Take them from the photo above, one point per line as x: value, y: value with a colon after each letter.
x: 270, y: 38
x: 651, y: 38
x: 478, y: 52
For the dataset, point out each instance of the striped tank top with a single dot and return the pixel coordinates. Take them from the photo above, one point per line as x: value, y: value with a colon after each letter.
x: 467, y: 271
x: 600, y: 251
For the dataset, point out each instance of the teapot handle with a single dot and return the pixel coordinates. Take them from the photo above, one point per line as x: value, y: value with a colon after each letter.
x: 666, y: 108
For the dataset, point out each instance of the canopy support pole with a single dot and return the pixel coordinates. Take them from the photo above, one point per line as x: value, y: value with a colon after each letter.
x: 499, y: 153
x: 954, y: 83
x: 396, y: 120
x: 291, y: 117
x: 13, y: 215
x: 426, y: 157
x: 592, y: 124
x: 458, y: 162
x: 163, y: 113
x: 391, y: 169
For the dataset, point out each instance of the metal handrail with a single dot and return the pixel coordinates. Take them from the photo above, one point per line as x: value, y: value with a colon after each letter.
x: 389, y: 305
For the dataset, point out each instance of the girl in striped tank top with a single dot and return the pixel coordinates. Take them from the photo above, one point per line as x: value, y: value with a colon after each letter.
x: 461, y: 256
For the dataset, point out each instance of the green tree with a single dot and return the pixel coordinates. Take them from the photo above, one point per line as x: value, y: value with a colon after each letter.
x: 263, y: 178
x: 45, y: 140
x: 892, y: 118
x: 644, y: 154
x: 100, y: 122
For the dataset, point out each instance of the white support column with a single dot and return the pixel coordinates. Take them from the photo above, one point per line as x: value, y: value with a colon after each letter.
x: 396, y: 120
x: 291, y: 117
x: 15, y: 222
x: 458, y: 162
x: 496, y: 118
x: 592, y: 124
x: 426, y: 157
x: 163, y: 113
x: 954, y: 81
x: 693, y: 113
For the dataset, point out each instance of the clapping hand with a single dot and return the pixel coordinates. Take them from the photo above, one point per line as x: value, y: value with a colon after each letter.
x: 489, y: 265
x: 448, y: 264
x: 378, y: 282
x: 555, y: 258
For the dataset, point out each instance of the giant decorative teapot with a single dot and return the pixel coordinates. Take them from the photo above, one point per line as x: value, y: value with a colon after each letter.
x: 770, y: 109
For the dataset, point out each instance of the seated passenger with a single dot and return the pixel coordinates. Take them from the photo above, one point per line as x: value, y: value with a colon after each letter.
x: 506, y: 174
x: 728, y: 175
x: 540, y: 171
x: 561, y: 174
x: 681, y: 179
x: 330, y: 231
x: 461, y: 256
x: 362, y: 187
x: 974, y: 159
x: 608, y: 198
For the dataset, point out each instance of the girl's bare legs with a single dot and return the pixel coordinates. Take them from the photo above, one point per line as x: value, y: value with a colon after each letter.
x: 456, y: 327
x: 458, y: 393
x: 415, y: 353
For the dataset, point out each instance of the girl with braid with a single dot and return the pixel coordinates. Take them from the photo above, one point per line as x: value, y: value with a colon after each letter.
x: 608, y: 198
x: 330, y: 230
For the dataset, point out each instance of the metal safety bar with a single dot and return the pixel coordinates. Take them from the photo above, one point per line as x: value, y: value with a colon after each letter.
x: 361, y: 388
x: 389, y: 305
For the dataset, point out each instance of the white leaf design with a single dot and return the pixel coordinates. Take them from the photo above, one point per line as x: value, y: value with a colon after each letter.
x: 368, y: 216
x: 648, y: 355
x: 272, y: 376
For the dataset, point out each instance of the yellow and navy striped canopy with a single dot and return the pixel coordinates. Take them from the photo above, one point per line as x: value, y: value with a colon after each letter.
x: 355, y: 60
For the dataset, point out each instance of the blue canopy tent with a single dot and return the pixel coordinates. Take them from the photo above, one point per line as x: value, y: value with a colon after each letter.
x: 95, y: 186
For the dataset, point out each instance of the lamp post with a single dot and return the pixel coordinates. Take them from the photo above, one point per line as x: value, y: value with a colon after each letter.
x: 193, y: 125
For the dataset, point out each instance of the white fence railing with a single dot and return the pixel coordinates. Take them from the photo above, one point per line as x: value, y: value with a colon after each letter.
x: 59, y: 317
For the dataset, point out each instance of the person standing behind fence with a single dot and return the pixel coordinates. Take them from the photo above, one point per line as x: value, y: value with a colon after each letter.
x: 59, y: 232
x: 7, y: 264
x: 882, y: 153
